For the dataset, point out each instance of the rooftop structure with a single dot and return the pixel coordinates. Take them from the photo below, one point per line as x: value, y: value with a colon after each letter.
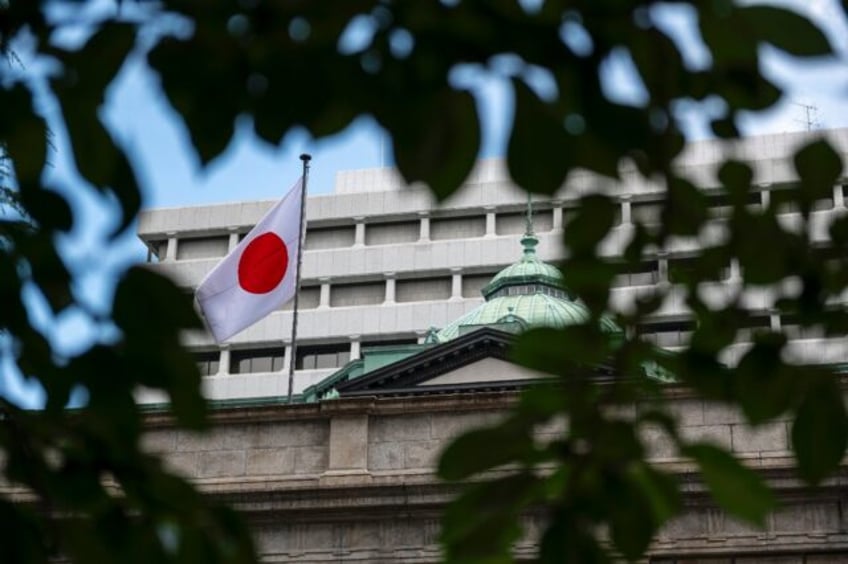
x: 384, y: 263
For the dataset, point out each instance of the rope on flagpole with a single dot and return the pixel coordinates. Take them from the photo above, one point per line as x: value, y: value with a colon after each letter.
x: 305, y: 157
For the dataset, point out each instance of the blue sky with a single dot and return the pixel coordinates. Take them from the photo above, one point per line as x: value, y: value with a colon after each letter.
x: 157, y: 142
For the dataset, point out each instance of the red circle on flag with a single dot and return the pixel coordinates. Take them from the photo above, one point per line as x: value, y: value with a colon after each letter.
x: 263, y: 264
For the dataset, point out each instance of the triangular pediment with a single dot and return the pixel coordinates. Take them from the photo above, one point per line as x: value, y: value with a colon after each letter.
x: 485, y: 370
x: 478, y: 361
x: 411, y: 375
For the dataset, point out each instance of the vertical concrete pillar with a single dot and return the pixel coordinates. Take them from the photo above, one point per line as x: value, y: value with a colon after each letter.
x: 735, y: 270
x: 456, y: 284
x: 359, y: 234
x: 224, y: 361
x: 491, y: 229
x: 324, y: 296
x: 557, y: 216
x: 765, y: 196
x: 171, y: 250
x: 626, y: 210
x: 424, y: 231
x: 774, y: 320
x: 662, y: 267
x: 234, y: 239
x: 839, y: 195
x: 390, y: 287
x: 355, y: 347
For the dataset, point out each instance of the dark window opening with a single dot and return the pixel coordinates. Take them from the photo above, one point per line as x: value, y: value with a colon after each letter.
x: 322, y: 356
x: 246, y: 362
x: 208, y: 362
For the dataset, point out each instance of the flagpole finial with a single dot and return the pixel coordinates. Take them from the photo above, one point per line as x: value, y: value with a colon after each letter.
x: 305, y: 157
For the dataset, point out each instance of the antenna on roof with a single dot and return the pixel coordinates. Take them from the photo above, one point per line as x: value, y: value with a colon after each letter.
x: 811, y: 116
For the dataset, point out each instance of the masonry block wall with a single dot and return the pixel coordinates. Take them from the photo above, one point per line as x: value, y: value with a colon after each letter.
x: 353, y: 480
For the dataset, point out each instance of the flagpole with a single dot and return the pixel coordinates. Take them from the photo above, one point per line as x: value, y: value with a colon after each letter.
x: 305, y: 157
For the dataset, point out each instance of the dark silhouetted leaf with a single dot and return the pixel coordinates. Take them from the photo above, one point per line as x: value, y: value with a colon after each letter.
x: 787, y: 30
x: 440, y: 143
x: 820, y: 431
x: 737, y: 489
x: 483, y: 449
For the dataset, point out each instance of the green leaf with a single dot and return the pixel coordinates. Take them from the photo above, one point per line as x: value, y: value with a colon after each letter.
x: 765, y: 386
x: 23, y: 135
x: 539, y: 154
x: 819, y: 166
x: 820, y: 430
x: 593, y: 222
x: 482, y: 524
x: 81, y: 91
x: 561, y: 351
x: 208, y: 97
x: 727, y: 35
x: 147, y: 302
x: 484, y: 449
x: 48, y: 269
x: 631, y: 521
x: 738, y: 490
x: 787, y: 30
x: 660, y: 489
x: 685, y: 209
x: 736, y: 176
x: 49, y: 209
x: 566, y: 541
x: 439, y: 145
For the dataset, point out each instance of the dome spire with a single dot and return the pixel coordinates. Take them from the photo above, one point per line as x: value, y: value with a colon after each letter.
x: 529, y: 241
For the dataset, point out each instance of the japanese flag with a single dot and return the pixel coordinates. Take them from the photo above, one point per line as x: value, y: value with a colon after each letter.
x: 259, y: 275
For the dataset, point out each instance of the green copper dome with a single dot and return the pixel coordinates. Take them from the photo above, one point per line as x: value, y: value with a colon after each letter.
x: 528, y: 293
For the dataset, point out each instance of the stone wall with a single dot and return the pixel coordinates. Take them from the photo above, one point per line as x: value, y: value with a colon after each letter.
x: 352, y: 480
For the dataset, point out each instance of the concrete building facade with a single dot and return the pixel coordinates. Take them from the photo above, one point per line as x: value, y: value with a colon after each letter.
x: 384, y: 263
x: 352, y: 479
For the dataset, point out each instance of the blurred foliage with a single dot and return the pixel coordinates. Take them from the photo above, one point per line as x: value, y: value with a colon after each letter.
x: 96, y: 497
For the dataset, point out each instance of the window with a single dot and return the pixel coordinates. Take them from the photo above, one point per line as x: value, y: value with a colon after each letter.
x: 457, y: 227
x: 422, y: 290
x: 642, y: 274
x: 667, y: 333
x: 473, y: 284
x: 515, y: 223
x: 751, y: 326
x: 390, y: 342
x: 308, y: 297
x: 682, y: 269
x: 265, y: 360
x: 791, y: 325
x: 721, y: 204
x: 392, y: 233
x: 202, y: 247
x: 646, y: 213
x: 157, y: 249
x: 568, y: 215
x: 785, y: 200
x: 529, y: 290
x: 318, y: 238
x: 363, y: 293
x: 322, y: 356
x: 207, y: 362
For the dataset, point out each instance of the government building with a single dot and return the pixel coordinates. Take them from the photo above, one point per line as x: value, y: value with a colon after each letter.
x: 406, y: 312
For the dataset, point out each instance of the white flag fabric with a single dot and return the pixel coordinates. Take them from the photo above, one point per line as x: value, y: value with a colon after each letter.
x: 259, y: 275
